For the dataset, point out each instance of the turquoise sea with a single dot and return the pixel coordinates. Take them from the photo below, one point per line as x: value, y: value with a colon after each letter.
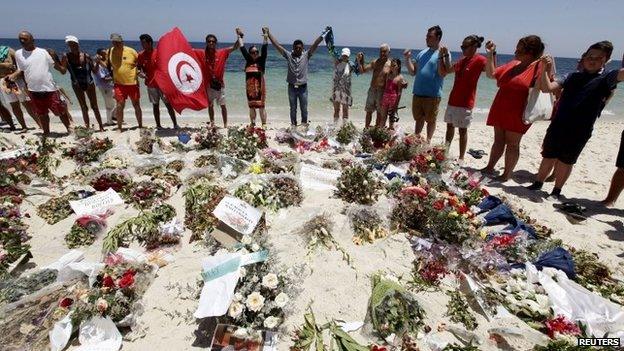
x: 320, y: 82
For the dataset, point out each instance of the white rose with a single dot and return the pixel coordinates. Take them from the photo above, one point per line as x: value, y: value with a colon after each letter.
x: 238, y: 297
x: 543, y: 301
x: 281, y: 300
x: 246, y: 240
x: 242, y: 271
x: 255, y: 247
x: 255, y: 301
x: 235, y: 310
x: 270, y: 281
x: 271, y: 322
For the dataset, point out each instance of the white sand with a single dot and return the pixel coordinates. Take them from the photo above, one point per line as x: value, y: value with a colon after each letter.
x: 334, y: 289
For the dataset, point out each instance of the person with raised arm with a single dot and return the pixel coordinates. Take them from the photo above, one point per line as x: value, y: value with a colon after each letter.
x: 343, y: 70
x: 146, y: 64
x: 584, y: 94
x: 380, y: 68
x: 514, y: 80
x: 429, y: 68
x: 255, y: 66
x: 80, y: 66
x: 33, y: 64
x: 461, y: 102
x: 213, y: 60
x: 297, y: 76
x: 14, y: 94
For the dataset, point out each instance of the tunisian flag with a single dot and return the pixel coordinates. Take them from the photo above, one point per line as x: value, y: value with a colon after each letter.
x: 178, y: 73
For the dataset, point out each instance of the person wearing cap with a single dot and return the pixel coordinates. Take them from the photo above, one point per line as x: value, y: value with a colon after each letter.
x: 33, y: 64
x: 297, y: 77
x: 13, y: 94
x: 341, y: 95
x: 255, y: 65
x: 80, y: 66
x: 146, y: 63
x: 213, y: 61
x: 380, y: 67
x: 123, y: 64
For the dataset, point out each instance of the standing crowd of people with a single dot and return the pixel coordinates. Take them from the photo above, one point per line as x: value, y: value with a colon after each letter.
x: 26, y: 82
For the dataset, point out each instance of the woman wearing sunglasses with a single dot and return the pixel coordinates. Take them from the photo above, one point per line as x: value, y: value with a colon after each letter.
x: 255, y: 64
x: 462, y: 99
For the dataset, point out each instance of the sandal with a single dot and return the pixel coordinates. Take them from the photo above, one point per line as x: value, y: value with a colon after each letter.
x: 476, y: 153
x: 572, y: 209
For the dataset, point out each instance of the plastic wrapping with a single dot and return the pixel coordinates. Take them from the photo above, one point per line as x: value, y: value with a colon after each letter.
x: 99, y: 334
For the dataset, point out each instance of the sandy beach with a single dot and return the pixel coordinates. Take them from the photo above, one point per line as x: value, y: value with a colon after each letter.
x: 332, y: 288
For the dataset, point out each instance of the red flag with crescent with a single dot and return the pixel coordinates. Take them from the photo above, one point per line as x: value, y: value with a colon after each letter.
x: 178, y: 73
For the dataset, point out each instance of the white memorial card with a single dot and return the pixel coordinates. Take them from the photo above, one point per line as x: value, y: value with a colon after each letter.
x: 318, y: 178
x: 96, y: 204
x: 237, y: 214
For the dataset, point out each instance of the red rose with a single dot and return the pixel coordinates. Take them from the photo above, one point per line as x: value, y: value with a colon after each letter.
x: 452, y: 201
x: 127, y: 279
x: 378, y: 348
x: 485, y: 192
x: 66, y: 302
x: 108, y: 282
x: 438, y: 205
x: 462, y: 208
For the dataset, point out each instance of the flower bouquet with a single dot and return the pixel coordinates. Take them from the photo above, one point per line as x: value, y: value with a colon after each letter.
x: 12, y: 193
x: 88, y: 150
x: 410, y: 212
x: 561, y: 327
x: 114, y: 162
x: 310, y: 337
x: 428, y: 272
x: 145, y: 228
x: 403, y: 150
x: 13, y: 289
x: 118, y: 181
x: 243, y: 142
x: 392, y: 309
x: 175, y: 165
x: 260, y: 294
x: 57, y: 208
x: 357, y: 184
x: 18, y: 170
x: 115, y: 291
x: 81, y: 132
x: 511, y: 246
x: 596, y: 276
x: 145, y: 194
x: 317, y: 233
x: 273, y: 193
x: 205, y: 161
x: 449, y: 218
x: 367, y: 225
x: 430, y: 161
x: 13, y: 236
x: 346, y: 133
x: 165, y: 175
x: 458, y: 310
x: 526, y: 300
x: 147, y: 139
x: 379, y: 136
x: 208, y: 137
x: 84, y: 231
x: 200, y: 199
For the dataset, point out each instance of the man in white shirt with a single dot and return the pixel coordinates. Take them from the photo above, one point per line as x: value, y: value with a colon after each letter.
x: 34, y: 65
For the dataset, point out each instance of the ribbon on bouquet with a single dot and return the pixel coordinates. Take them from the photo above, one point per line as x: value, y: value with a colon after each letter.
x: 234, y: 264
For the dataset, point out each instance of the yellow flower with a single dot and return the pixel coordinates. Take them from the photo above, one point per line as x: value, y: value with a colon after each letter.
x: 453, y: 214
x: 256, y: 168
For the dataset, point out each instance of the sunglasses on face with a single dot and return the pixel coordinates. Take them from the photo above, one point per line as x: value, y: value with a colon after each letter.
x: 211, y: 41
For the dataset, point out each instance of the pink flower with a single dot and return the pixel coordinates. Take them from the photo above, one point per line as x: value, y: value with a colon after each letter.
x: 415, y: 190
x: 561, y: 325
x: 113, y: 259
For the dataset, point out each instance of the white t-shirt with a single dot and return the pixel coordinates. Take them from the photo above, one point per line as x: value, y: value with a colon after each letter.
x: 36, y: 66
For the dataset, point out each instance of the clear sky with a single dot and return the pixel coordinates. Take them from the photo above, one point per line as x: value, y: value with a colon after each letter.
x: 567, y: 26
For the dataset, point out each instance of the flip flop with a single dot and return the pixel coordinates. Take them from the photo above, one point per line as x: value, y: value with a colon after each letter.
x: 476, y: 153
x: 572, y: 209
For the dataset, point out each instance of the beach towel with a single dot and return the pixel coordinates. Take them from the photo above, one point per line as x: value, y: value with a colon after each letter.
x: 333, y: 52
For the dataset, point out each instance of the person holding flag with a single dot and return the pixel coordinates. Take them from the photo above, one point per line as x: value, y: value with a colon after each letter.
x: 213, y: 62
x: 343, y: 68
x: 146, y: 63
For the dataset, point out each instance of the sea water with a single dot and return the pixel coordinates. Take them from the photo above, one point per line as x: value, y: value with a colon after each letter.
x: 319, y: 82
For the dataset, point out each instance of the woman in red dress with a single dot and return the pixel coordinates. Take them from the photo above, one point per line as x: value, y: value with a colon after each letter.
x: 514, y: 79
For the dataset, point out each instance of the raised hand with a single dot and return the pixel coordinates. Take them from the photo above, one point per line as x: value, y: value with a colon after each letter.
x: 265, y: 30
x: 359, y: 57
x: 490, y: 46
x: 547, y: 60
x: 239, y: 32
x: 443, y: 50
x: 407, y: 53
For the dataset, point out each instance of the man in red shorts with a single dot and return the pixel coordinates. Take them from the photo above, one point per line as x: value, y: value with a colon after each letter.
x: 122, y: 61
x: 34, y: 64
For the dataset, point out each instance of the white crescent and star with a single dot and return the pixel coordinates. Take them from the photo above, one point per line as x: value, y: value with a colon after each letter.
x: 185, y: 73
